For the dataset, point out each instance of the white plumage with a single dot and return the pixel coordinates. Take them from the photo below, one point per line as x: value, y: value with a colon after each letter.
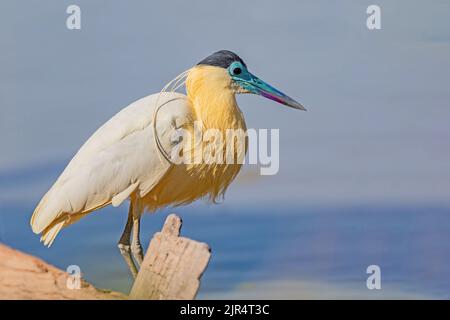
x: 128, y: 157
x: 119, y: 158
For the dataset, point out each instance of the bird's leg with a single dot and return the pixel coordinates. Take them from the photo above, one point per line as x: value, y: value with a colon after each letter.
x: 124, y: 243
x: 136, y: 247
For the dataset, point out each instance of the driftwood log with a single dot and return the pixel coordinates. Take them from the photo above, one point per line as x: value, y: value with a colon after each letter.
x: 23, y: 276
x: 172, y: 266
x: 171, y: 269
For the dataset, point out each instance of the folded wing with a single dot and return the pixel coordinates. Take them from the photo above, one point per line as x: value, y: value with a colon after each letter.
x: 120, y: 158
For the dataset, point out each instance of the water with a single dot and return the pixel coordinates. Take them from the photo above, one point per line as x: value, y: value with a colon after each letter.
x: 304, y: 252
x: 376, y: 132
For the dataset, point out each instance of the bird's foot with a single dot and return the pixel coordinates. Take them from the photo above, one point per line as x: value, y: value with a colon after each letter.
x: 125, y: 251
x: 138, y: 253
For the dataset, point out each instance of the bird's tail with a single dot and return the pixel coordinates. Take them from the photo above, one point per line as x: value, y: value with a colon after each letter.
x: 47, y: 219
x: 50, y: 233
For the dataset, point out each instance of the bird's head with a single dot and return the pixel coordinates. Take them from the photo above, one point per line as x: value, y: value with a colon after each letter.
x: 227, y: 70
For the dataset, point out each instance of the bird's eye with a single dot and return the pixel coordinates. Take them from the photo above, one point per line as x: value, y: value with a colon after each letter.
x: 237, y: 71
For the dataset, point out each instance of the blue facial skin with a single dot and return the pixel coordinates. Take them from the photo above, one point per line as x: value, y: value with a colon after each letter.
x: 253, y: 84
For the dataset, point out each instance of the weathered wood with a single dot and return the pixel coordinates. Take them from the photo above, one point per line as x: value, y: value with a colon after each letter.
x: 23, y: 276
x: 173, y: 265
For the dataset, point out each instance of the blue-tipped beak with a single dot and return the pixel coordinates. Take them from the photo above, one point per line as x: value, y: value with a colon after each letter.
x: 255, y: 85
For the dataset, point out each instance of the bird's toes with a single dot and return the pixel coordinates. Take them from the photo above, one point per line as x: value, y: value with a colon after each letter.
x: 138, y: 253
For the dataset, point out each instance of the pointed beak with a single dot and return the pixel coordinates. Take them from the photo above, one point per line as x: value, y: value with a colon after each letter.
x: 255, y: 85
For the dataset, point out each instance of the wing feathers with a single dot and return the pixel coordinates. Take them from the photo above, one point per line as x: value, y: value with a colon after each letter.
x: 121, y: 197
x: 119, y: 159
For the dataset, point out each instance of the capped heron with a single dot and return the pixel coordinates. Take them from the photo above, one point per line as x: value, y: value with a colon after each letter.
x: 127, y: 158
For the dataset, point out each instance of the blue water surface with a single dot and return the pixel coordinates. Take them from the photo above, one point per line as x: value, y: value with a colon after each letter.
x: 320, y: 244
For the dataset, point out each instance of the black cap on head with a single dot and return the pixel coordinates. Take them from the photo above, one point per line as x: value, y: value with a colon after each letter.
x: 222, y: 59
